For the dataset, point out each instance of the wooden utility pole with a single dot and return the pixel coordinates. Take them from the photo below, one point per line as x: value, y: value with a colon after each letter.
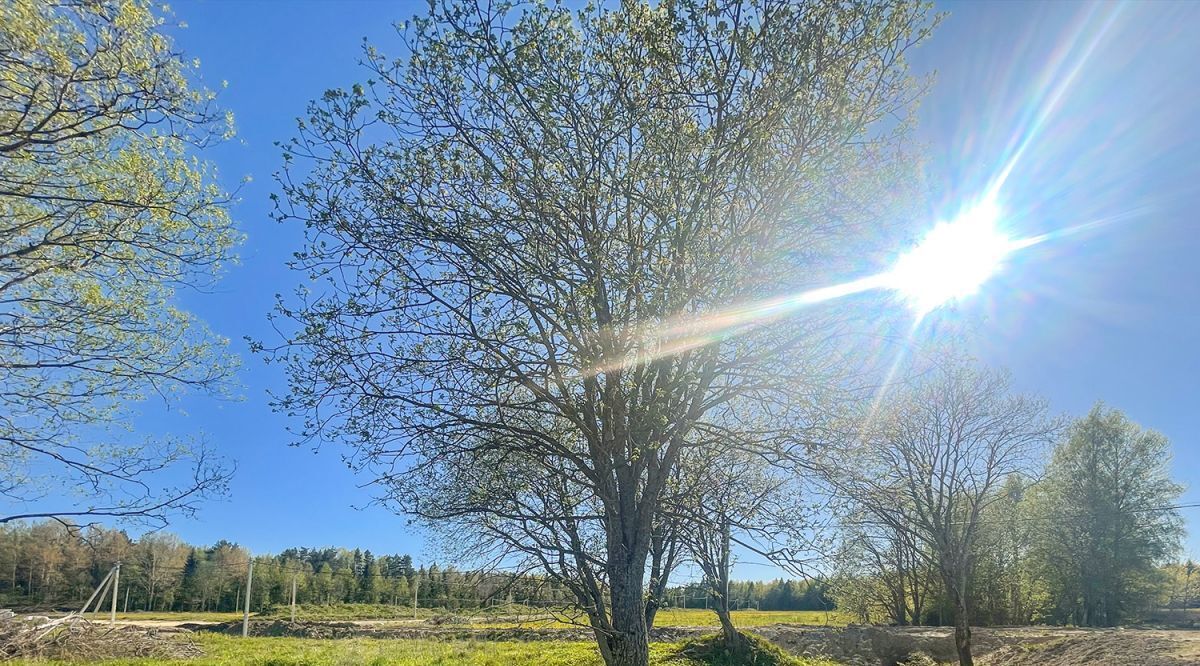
x: 293, y: 597
x: 416, y: 585
x: 246, y: 613
x: 112, y: 612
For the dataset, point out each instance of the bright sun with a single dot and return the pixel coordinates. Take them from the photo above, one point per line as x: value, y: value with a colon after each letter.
x: 953, y: 260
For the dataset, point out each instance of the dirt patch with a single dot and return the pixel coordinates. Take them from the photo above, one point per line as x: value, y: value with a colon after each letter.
x: 1006, y: 646
x: 862, y: 645
x: 1108, y: 648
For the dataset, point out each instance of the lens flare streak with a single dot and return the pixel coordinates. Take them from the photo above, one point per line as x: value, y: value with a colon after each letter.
x: 953, y: 260
x: 950, y: 263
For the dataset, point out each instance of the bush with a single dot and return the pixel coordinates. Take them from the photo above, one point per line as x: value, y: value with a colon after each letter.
x: 754, y: 651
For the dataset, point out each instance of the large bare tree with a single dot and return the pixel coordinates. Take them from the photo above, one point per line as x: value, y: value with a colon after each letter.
x: 930, y: 458
x: 534, y: 246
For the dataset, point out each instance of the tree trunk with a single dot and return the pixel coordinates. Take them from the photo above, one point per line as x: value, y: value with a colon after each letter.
x: 652, y: 605
x: 663, y: 554
x: 628, y: 643
x: 962, y: 634
x: 900, y: 611
x: 658, y: 586
x: 150, y: 590
x: 734, y: 640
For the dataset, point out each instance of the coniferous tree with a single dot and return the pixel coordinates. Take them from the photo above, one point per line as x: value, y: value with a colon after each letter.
x: 190, y: 592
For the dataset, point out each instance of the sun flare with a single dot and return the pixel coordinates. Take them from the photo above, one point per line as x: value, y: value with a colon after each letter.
x: 953, y: 259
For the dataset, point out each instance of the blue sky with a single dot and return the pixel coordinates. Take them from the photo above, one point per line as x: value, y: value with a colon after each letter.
x: 1108, y: 314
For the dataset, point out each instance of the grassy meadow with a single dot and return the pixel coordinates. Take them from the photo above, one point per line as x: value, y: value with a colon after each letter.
x: 222, y: 650
x: 699, y: 617
x: 684, y: 617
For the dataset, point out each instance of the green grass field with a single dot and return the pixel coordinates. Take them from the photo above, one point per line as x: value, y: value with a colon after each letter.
x: 229, y: 650
x: 334, y: 612
x: 698, y: 617
x: 224, y: 650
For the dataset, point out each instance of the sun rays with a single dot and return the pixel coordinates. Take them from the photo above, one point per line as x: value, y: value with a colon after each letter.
x: 955, y: 257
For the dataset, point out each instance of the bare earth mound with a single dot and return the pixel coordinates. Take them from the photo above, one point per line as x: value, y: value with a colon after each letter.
x: 383, y: 630
x: 1107, y: 648
x: 1010, y: 646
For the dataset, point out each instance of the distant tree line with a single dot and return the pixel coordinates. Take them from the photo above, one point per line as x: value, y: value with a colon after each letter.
x: 47, y: 564
x: 781, y: 594
x: 1087, y: 540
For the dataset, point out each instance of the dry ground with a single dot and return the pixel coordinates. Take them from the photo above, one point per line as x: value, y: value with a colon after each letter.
x: 1006, y: 646
x: 856, y: 645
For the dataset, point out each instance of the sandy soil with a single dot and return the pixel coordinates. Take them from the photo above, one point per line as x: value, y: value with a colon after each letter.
x: 1002, y: 646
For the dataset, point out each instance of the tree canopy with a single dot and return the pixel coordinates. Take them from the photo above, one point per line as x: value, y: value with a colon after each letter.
x: 526, y: 236
x: 105, y: 211
x: 928, y: 463
x: 1105, y: 519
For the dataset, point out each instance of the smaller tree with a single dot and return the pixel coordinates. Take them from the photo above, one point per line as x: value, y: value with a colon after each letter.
x: 666, y: 552
x: 323, y: 583
x: 1005, y: 590
x: 161, y: 558
x: 883, y: 570
x: 729, y: 497
x: 721, y: 501
x: 929, y: 460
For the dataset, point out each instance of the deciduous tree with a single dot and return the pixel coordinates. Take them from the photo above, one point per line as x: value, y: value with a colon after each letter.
x: 104, y: 213
x: 526, y: 238
x: 929, y: 459
x: 1104, y: 519
x: 728, y: 499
